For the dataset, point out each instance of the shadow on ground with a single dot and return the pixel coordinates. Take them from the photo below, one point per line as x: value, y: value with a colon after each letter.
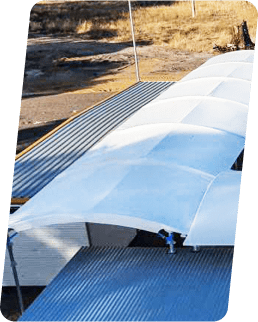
x: 57, y: 65
x: 28, y: 136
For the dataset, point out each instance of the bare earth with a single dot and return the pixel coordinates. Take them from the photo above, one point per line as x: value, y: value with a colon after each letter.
x: 66, y: 75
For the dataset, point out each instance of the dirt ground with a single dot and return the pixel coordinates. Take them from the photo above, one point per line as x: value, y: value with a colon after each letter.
x: 64, y: 75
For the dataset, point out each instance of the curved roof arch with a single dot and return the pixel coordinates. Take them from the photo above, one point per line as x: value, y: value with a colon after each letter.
x: 160, y: 167
x: 234, y: 56
x: 237, y: 90
x: 212, y: 112
x: 239, y: 70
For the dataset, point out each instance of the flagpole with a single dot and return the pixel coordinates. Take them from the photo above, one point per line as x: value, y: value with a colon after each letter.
x: 134, y: 45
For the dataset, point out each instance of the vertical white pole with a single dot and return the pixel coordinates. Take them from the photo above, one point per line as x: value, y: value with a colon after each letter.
x: 134, y: 46
x: 193, y: 8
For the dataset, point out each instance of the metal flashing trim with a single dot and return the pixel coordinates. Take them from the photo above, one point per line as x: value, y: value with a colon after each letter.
x: 19, y: 201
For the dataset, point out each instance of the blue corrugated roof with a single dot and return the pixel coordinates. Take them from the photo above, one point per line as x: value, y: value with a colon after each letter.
x: 138, y: 284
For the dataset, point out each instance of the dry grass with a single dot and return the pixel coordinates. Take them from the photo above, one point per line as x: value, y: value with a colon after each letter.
x: 84, y: 27
x: 175, y: 27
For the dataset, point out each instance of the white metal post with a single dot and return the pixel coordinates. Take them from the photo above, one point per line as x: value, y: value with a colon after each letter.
x: 193, y: 8
x: 134, y: 45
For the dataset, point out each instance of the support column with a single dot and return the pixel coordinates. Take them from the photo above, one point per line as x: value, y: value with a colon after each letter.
x: 13, y: 265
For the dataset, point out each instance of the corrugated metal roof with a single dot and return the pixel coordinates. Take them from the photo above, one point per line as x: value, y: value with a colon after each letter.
x: 138, y: 284
x: 35, y: 169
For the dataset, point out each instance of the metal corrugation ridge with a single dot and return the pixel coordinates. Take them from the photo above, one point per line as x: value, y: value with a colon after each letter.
x: 45, y: 161
x: 138, y: 284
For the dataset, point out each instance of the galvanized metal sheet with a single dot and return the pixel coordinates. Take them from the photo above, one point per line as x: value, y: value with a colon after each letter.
x: 138, y: 284
x: 38, y: 167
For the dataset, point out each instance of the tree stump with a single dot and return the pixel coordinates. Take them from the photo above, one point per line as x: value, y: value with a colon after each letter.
x: 240, y: 39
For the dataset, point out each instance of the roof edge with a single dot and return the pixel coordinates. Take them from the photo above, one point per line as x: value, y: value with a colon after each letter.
x: 70, y: 119
x: 19, y: 201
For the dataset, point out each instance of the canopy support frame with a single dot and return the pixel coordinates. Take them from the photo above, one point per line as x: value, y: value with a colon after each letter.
x: 169, y: 239
x: 13, y: 265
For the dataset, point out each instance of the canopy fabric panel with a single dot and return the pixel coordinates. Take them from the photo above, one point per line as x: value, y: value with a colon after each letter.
x: 151, y: 176
x: 235, y: 90
x: 215, y: 95
x: 240, y: 70
x: 164, y: 165
x: 215, y: 221
x: 234, y: 56
x: 138, y: 196
x: 209, y: 112
x: 185, y: 145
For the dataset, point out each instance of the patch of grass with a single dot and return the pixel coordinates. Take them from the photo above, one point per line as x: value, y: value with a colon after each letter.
x: 168, y: 24
x: 63, y: 17
x: 175, y: 27
x: 84, y: 27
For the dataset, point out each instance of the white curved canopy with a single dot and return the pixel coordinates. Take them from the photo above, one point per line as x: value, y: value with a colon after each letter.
x: 153, y: 171
x: 215, y: 221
